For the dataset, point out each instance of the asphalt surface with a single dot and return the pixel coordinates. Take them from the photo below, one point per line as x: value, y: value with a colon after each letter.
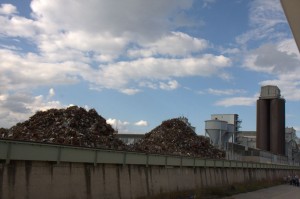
x: 277, y: 192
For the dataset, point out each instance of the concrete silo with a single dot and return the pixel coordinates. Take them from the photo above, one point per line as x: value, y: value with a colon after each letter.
x: 277, y: 128
x: 216, y: 130
x: 270, y: 126
x: 263, y: 124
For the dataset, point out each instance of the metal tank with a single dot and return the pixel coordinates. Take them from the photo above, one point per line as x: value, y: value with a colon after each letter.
x: 228, y: 134
x: 216, y: 130
x: 277, y: 126
x: 263, y: 124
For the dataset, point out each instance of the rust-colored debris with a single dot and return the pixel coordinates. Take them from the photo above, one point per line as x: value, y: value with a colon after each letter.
x: 79, y: 127
x: 71, y: 126
x: 176, y: 138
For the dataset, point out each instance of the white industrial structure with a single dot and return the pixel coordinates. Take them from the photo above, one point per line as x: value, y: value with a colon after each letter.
x: 219, y: 132
x: 230, y: 119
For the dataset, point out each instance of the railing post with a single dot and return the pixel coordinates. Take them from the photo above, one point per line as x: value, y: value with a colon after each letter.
x: 147, y: 160
x: 8, y: 153
x: 96, y: 158
x: 180, y: 161
x: 194, y: 164
x: 124, y: 158
x: 166, y: 161
x: 58, y: 155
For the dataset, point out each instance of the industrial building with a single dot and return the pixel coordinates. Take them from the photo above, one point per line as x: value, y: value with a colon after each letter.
x: 129, y: 138
x: 270, y: 120
x: 222, y: 128
x: 271, y: 142
x: 132, y: 138
x: 232, y: 119
x: 291, y: 142
x: 247, y: 138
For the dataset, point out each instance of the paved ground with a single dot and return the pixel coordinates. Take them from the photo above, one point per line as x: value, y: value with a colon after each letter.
x: 276, y: 192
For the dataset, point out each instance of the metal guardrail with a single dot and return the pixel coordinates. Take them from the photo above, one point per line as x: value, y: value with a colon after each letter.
x: 22, y: 150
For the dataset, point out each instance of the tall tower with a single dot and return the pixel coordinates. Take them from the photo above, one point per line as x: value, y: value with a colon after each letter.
x: 270, y: 120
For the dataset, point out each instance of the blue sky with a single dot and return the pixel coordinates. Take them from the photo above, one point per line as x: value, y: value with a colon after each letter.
x: 140, y: 62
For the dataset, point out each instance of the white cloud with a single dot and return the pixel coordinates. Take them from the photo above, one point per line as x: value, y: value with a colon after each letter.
x: 84, y: 45
x: 118, y: 75
x: 121, y: 126
x: 237, y: 101
x: 17, y: 27
x: 281, y: 60
x: 225, y: 92
x: 269, y: 58
x: 175, y: 44
x: 7, y: 9
x: 141, y: 123
x: 266, y: 17
x: 231, y: 51
x: 129, y: 91
x: 18, y: 107
x: 79, y: 15
x: 29, y: 71
x: 72, y: 46
x: 51, y: 92
x: 170, y: 85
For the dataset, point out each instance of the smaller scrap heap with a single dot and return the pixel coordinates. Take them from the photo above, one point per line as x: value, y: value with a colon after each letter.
x: 174, y: 137
x: 71, y: 126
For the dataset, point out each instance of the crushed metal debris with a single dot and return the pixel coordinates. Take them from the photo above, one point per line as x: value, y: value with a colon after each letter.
x: 71, y: 126
x: 176, y: 138
x: 79, y: 127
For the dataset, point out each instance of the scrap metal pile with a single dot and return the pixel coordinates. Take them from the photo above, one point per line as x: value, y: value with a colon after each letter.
x: 71, y: 126
x: 177, y: 138
x: 79, y: 127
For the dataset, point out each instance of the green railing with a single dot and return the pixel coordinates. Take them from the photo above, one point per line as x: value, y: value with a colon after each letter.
x: 21, y: 150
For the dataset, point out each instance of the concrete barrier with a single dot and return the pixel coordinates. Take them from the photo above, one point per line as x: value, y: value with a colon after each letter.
x: 48, y: 180
x: 34, y: 171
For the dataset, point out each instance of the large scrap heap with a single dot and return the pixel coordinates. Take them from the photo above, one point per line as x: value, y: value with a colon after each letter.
x: 176, y: 138
x: 71, y: 126
x: 79, y: 127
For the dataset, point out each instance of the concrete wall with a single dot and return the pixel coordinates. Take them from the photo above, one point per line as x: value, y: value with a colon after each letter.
x: 49, y: 180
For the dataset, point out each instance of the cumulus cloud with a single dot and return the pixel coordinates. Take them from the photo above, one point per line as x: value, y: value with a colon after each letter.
x: 8, y: 9
x: 80, y: 15
x: 141, y: 123
x: 70, y: 46
x: 118, y: 125
x: 175, y: 44
x: 281, y: 60
x: 51, y: 92
x: 231, y: 51
x: 118, y: 75
x: 29, y: 71
x: 18, y: 107
x: 268, y: 58
x: 170, y: 85
x: 13, y: 25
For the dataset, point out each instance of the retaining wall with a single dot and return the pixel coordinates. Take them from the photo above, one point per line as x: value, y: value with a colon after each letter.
x: 34, y: 171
